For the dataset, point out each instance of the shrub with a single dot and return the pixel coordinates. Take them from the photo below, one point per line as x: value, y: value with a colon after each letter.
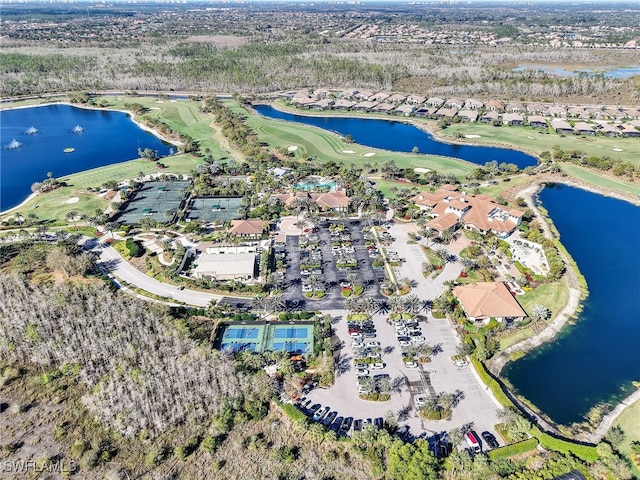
x: 515, y: 449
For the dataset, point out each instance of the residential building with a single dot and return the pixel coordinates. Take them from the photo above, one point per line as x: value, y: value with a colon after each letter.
x: 364, y: 106
x: 415, y: 99
x: 582, y: 128
x: 468, y: 115
x: 384, y: 108
x: 446, y: 112
x: 405, y: 109
x: 396, y: 98
x: 473, y: 104
x: 537, y: 121
x: 561, y: 126
x: 342, y: 104
x: 628, y: 130
x: 490, y: 116
x: 435, y: 101
x: 495, y: 106
x: 473, y: 212
x: 252, y: 228
x: 513, y: 119
x: 483, y: 301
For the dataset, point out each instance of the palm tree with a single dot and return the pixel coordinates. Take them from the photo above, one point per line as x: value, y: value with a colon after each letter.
x: 353, y: 279
x: 413, y: 303
x: 396, y: 304
x: 446, y: 235
x: 351, y: 304
x: 369, y: 305
x: 427, y: 268
x: 111, y: 226
x: 314, y: 282
x: 429, y: 234
x: 71, y: 216
x: 275, y: 304
x: 259, y: 303
x: 442, y: 254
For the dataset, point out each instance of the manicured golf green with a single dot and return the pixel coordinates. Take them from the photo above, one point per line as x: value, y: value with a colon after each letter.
x: 327, y: 146
x: 531, y: 140
x: 52, y: 206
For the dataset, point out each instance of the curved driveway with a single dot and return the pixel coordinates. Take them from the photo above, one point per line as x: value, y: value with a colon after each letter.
x: 117, y: 266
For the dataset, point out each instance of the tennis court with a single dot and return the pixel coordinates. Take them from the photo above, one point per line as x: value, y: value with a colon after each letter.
x: 261, y: 337
x: 211, y: 209
x: 152, y: 200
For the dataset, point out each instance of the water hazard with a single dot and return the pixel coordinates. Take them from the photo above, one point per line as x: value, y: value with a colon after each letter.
x: 401, y: 137
x: 62, y: 139
x: 596, y: 359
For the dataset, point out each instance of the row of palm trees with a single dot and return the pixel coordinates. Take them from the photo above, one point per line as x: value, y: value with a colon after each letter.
x: 368, y: 305
x: 99, y: 219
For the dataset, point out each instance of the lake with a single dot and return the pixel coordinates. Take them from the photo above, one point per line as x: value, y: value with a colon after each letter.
x: 596, y: 359
x: 608, y: 72
x: 401, y: 137
x: 107, y: 137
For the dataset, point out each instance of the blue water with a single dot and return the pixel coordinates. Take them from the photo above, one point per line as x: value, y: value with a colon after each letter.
x: 597, y: 359
x: 608, y: 72
x: 401, y: 137
x: 108, y: 137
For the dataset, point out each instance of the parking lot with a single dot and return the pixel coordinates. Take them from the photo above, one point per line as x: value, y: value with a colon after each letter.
x: 319, y: 246
x: 475, y: 408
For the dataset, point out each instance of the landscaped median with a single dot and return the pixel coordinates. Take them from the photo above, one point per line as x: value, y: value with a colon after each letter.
x: 584, y: 452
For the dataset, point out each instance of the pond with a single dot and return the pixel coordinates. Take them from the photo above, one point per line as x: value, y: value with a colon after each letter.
x: 608, y: 72
x: 398, y: 136
x: 596, y: 359
x: 91, y: 138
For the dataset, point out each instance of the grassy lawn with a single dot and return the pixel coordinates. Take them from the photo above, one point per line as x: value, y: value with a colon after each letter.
x: 312, y: 141
x: 554, y: 296
x: 530, y: 140
x: 52, y: 206
x: 629, y: 421
x: 517, y: 336
x: 612, y: 183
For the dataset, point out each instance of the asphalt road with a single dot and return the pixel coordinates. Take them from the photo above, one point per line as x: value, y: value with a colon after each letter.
x: 122, y: 270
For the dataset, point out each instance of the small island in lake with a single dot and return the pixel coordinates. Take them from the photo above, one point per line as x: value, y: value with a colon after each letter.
x: 69, y: 150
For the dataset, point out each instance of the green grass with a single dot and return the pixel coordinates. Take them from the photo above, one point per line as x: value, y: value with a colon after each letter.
x: 52, y: 206
x: 519, y: 137
x: 312, y: 141
x: 629, y: 421
x: 554, y: 296
x: 515, y: 337
x: 514, y: 449
x: 592, y: 177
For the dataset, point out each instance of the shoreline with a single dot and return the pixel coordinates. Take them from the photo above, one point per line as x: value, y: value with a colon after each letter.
x: 132, y: 117
x: 577, y: 293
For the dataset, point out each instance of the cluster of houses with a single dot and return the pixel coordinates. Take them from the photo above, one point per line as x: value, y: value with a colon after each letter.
x: 610, y: 121
x: 451, y: 208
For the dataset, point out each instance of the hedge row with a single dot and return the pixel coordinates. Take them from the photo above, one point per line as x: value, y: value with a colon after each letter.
x: 514, y: 449
x: 584, y: 452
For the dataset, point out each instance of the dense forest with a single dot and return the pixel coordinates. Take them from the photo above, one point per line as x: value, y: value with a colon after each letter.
x: 431, y: 52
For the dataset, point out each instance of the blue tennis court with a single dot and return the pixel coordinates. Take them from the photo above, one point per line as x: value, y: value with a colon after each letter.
x: 290, y: 346
x: 236, y: 347
x: 287, y: 332
x: 240, y: 333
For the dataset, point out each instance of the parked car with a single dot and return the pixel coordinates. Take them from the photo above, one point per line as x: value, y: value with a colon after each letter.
x: 306, y: 288
x: 362, y: 371
x: 329, y: 418
x: 319, y: 415
x: 418, y: 339
x: 346, y: 425
x: 404, y: 342
x: 410, y: 365
x: 490, y: 439
x: 473, y: 442
x: 378, y: 422
x: 336, y: 424
x: 461, y: 363
x: 421, y: 400
x: 373, y: 344
x: 357, y: 425
x: 377, y: 366
x: 313, y: 409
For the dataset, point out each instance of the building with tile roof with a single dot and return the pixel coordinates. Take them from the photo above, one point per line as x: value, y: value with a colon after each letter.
x: 482, y: 301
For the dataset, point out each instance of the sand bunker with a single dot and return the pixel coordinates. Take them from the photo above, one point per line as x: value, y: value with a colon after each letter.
x: 159, y: 101
x: 370, y: 154
x: 472, y: 136
x: 421, y: 170
x: 173, y: 101
x: 348, y: 151
x: 532, y: 138
x: 617, y: 149
x: 72, y: 200
x: 292, y: 148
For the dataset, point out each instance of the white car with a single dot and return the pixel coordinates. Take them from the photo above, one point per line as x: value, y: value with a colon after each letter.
x: 410, y: 365
x: 362, y: 371
x: 306, y: 288
x: 418, y: 339
x: 373, y: 344
x: 398, y: 324
x: 401, y: 333
x: 355, y: 335
x: 421, y: 400
x: 461, y: 363
x: 377, y: 366
x: 357, y: 345
x: 404, y: 343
